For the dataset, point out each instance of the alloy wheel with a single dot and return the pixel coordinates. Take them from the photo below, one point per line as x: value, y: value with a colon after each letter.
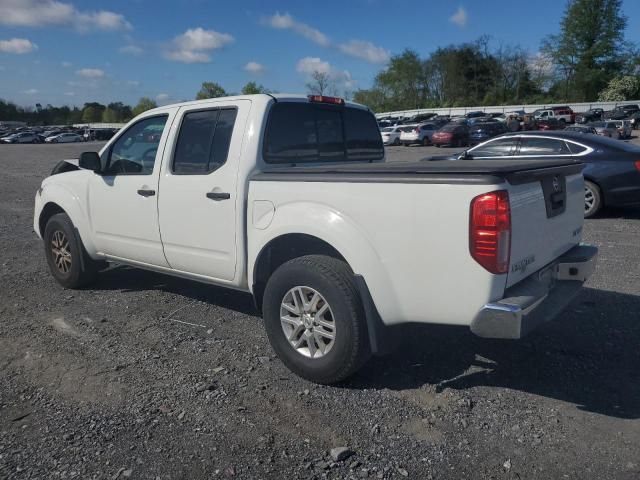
x: 307, y: 322
x: 589, y: 200
x: 61, y: 252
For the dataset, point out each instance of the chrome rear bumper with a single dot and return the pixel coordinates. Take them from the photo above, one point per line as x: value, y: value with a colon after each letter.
x: 537, y: 299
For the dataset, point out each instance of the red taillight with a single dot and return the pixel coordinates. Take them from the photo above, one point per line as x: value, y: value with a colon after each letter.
x: 637, y: 165
x: 490, y: 231
x: 325, y: 99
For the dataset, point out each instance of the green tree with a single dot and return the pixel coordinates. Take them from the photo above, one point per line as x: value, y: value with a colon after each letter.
x: 621, y: 88
x: 143, y: 105
x: 590, y: 49
x: 109, y: 116
x: 210, y: 90
x: 92, y: 112
x: 253, y: 88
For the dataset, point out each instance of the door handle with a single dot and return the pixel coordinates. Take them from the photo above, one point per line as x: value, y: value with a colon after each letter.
x: 147, y: 193
x: 217, y: 196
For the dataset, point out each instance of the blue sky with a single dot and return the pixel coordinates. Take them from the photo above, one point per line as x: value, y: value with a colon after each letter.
x: 72, y: 51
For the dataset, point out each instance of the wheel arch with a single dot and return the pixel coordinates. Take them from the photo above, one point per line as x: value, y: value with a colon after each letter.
x: 280, y: 250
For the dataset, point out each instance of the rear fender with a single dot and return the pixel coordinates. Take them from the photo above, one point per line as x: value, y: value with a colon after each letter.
x: 339, y: 231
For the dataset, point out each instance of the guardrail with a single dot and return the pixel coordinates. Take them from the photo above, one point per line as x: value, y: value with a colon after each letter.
x: 576, y: 107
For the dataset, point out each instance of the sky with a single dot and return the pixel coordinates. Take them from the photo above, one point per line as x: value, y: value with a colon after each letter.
x: 73, y: 51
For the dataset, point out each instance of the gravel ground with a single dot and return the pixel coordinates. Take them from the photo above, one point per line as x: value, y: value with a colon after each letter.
x: 107, y: 382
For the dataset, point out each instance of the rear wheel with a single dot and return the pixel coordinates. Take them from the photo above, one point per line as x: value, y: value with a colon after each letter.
x: 425, y: 141
x: 68, y: 261
x: 592, y: 199
x: 314, y: 318
x: 396, y: 142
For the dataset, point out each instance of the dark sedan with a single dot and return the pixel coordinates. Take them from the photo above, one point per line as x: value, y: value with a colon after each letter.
x: 481, y: 132
x: 612, y: 167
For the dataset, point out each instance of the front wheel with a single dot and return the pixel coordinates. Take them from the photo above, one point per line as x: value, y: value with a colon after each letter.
x: 396, y: 142
x: 68, y: 261
x: 592, y: 199
x: 315, y: 320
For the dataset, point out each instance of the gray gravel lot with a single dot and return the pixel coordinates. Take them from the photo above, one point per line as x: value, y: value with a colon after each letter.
x: 105, y: 383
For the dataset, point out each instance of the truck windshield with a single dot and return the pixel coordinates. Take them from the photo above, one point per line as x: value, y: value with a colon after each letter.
x: 304, y: 132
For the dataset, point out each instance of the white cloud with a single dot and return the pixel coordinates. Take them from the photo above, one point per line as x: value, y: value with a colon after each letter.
x: 196, y: 44
x: 308, y: 65
x: 365, y: 50
x: 90, y: 72
x: 39, y: 13
x: 460, y: 17
x: 31, y: 91
x: 18, y: 46
x: 70, y: 94
x: 66, y: 64
x: 254, y: 68
x: 161, y: 97
x: 131, y: 50
x: 342, y: 78
x: 133, y: 83
x: 287, y: 22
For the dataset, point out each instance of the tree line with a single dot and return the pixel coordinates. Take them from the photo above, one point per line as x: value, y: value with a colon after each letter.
x: 587, y: 60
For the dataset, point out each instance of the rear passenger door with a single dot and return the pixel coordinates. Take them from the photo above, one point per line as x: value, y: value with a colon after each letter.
x: 198, y: 203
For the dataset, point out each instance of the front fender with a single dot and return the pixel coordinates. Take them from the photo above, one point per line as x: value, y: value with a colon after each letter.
x: 73, y: 204
x: 339, y: 231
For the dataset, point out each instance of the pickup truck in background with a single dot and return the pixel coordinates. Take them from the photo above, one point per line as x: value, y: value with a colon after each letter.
x: 289, y: 198
x: 563, y: 115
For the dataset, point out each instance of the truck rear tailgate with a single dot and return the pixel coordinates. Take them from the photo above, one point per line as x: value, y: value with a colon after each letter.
x: 547, y: 210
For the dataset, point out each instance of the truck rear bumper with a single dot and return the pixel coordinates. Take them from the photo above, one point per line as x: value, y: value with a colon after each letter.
x: 537, y: 299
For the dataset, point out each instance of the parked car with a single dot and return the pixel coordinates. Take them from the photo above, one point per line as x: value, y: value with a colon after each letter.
x: 418, y: 134
x: 475, y: 114
x: 634, y: 118
x: 391, y: 135
x: 454, y: 135
x: 21, y: 137
x: 622, y: 111
x: 480, y: 132
x: 624, y: 128
x: 606, y: 129
x: 581, y: 129
x: 333, y: 252
x: 549, y: 123
x: 612, y: 171
x: 64, y: 138
x: 591, y: 115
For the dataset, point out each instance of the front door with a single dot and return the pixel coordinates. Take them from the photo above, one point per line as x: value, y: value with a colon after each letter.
x: 123, y: 200
x: 198, y: 201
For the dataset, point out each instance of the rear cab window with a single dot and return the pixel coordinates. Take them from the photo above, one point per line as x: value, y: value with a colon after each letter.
x: 299, y: 132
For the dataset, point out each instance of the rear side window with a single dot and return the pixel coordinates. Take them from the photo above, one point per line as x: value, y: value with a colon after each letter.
x: 543, y: 146
x: 501, y: 147
x: 203, y: 142
x: 575, y: 148
x: 302, y: 132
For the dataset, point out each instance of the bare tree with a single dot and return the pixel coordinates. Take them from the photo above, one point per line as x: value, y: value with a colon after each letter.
x: 321, y: 83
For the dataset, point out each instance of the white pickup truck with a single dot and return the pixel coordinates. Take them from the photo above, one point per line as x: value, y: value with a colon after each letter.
x: 289, y: 198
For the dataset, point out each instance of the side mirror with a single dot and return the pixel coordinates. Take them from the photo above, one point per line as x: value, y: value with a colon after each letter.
x: 90, y: 161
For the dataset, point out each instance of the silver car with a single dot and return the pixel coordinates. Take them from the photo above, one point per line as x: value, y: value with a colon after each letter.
x: 624, y: 128
x: 606, y: 129
x: 22, y: 137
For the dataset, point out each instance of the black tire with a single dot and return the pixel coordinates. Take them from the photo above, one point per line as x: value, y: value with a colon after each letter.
x: 81, y: 269
x: 425, y: 142
x: 593, y: 199
x: 396, y: 142
x: 333, y: 280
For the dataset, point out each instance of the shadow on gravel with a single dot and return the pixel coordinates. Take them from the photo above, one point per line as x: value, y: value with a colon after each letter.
x: 125, y: 279
x: 589, y: 357
x: 621, y: 213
